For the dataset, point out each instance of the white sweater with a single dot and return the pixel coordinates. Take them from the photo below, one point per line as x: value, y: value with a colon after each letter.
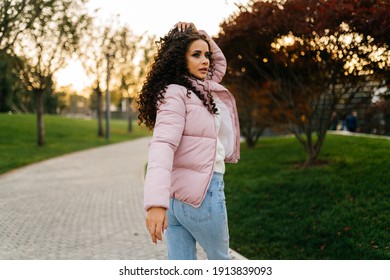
x: 220, y: 153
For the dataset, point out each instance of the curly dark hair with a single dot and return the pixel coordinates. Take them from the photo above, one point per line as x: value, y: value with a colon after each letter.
x: 170, y: 67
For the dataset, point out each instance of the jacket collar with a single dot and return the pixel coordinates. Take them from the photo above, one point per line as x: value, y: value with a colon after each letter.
x: 205, y: 85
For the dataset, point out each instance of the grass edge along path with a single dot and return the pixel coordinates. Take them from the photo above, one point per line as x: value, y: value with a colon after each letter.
x: 336, y: 210
x: 18, y: 137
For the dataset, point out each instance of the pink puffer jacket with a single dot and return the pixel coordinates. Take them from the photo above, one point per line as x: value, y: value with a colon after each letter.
x: 183, y: 148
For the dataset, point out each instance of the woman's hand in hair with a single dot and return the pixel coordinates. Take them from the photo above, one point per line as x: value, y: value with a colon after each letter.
x: 182, y: 26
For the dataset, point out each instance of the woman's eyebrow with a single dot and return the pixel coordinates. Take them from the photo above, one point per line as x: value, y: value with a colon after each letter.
x: 200, y: 51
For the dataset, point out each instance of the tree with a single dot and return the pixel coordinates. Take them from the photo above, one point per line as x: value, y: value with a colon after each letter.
x: 251, y: 104
x: 129, y: 56
x: 93, y: 58
x: 315, y: 58
x: 17, y: 16
x: 53, y: 38
x: 132, y: 58
x: 12, y: 94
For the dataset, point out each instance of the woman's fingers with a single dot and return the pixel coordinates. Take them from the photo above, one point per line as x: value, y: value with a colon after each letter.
x: 182, y: 26
x: 155, y: 223
x: 161, y: 227
x: 158, y: 233
x: 165, y: 223
x: 152, y: 231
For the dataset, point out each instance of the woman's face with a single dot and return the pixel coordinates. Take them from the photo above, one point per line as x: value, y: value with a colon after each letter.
x: 198, y: 60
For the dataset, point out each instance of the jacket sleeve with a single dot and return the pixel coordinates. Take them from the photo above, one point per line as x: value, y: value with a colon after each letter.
x: 167, y: 134
x: 220, y: 63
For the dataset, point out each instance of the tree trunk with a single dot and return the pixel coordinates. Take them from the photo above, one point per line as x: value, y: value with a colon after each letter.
x: 250, y: 143
x: 40, y: 121
x: 310, y: 159
x: 130, y: 124
x: 251, y: 136
x: 129, y: 118
x: 99, y: 112
x: 313, y: 150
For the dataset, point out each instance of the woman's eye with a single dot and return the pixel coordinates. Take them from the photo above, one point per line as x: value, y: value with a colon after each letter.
x: 196, y: 55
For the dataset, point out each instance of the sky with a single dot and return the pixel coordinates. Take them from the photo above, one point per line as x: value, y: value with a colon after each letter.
x: 158, y: 16
x: 153, y: 17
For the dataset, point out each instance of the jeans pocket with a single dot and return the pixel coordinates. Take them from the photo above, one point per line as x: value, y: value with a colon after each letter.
x: 200, y: 214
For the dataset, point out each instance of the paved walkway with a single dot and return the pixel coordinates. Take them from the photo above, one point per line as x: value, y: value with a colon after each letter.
x: 82, y: 206
x: 355, y: 134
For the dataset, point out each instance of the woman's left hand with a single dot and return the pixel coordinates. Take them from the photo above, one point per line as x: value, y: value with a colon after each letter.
x: 182, y: 26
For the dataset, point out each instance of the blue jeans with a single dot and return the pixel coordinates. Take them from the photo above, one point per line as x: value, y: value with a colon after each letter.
x: 206, y: 225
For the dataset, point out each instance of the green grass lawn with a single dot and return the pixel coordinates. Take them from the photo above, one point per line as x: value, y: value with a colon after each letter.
x: 18, y: 137
x: 339, y: 210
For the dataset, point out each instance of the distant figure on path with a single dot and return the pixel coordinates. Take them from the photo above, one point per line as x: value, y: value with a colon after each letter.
x: 195, y: 131
x: 352, y: 122
x: 334, y: 121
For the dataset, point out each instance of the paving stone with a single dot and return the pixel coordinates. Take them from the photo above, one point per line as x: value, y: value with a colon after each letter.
x: 82, y: 206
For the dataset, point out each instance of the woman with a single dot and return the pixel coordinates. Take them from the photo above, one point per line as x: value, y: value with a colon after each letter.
x: 195, y: 131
